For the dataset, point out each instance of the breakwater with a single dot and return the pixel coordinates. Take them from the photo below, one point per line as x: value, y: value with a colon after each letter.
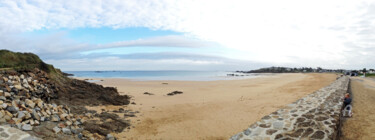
x: 316, y: 116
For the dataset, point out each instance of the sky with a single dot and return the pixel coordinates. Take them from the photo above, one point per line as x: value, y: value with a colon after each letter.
x: 191, y: 34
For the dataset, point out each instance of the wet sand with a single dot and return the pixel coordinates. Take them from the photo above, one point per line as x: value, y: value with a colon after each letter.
x: 362, y: 125
x: 209, y: 109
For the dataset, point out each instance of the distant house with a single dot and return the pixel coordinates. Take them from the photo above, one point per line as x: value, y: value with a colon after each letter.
x: 351, y: 73
x: 371, y: 71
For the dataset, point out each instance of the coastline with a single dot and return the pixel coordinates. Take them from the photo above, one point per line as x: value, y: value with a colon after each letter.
x: 206, y: 106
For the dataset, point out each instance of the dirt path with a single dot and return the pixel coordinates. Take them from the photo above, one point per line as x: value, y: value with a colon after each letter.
x: 362, y: 125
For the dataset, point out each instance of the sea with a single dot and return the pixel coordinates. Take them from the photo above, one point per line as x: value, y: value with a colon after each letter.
x: 164, y: 75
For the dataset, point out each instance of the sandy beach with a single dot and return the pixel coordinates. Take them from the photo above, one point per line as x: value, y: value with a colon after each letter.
x: 208, y: 109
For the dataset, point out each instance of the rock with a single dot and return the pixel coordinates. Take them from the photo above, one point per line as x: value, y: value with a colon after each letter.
x: 19, y: 126
x: 174, y: 93
x: 17, y: 120
x: 5, y: 105
x: 68, y: 123
x: 66, y: 131
x: 56, y: 129
x: 318, y: 135
x: 266, y: 117
x: 297, y: 133
x: 7, y: 117
x: 76, y: 130
x: 19, y: 87
x: 40, y: 104
x: 32, y: 122
x: 321, y: 118
x: 2, y: 98
x: 4, y: 135
x: 61, y: 125
x: 271, y: 131
x: 88, y: 115
x: 27, y: 127
x: 109, y: 137
x: 265, y: 125
x: 300, y: 120
x: 55, y: 118
x: 278, y: 125
x: 27, y: 115
x: 247, y: 132
x: 308, y: 132
x: 36, y: 122
x: 29, y: 103
x: 20, y: 115
x: 63, y: 116
x: 35, y: 115
x: 2, y: 120
x: 7, y: 94
x: 12, y: 109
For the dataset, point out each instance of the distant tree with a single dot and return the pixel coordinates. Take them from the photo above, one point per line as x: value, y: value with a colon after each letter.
x: 318, y: 69
x: 364, y: 70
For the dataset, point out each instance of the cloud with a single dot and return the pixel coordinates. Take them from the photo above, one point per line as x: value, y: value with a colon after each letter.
x: 289, y: 32
x: 57, y: 45
x: 162, y: 41
x: 152, y: 61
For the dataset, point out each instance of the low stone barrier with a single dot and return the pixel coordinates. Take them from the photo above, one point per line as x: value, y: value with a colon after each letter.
x: 315, y: 116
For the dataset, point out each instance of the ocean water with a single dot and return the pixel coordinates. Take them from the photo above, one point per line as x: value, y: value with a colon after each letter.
x: 163, y: 75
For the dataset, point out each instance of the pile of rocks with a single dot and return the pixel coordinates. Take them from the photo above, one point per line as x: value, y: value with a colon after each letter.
x: 24, y: 104
x: 315, y: 116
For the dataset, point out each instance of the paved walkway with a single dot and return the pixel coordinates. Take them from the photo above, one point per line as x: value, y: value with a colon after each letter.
x: 10, y: 133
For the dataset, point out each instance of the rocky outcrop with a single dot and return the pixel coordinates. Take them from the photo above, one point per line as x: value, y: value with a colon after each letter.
x: 55, y: 109
x: 24, y: 104
x: 315, y: 116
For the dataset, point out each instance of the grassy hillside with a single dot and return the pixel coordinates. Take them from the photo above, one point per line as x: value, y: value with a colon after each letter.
x: 23, y: 61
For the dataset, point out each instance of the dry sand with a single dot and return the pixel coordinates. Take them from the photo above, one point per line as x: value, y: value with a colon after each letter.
x: 362, y: 125
x: 209, y: 109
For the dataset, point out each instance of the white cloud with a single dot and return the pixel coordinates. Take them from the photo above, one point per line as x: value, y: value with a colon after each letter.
x: 116, y: 63
x: 288, y: 32
x: 162, y: 41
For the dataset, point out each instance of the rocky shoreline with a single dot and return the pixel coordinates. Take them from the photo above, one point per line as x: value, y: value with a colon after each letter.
x: 316, y: 116
x: 31, y: 101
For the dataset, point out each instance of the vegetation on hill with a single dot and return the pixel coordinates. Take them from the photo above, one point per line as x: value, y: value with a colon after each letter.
x: 23, y: 61
x: 291, y: 70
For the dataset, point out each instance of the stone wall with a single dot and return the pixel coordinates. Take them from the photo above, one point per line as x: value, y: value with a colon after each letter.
x: 316, y: 116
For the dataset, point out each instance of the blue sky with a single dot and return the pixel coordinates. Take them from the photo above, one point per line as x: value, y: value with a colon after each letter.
x: 191, y: 35
x: 104, y: 35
